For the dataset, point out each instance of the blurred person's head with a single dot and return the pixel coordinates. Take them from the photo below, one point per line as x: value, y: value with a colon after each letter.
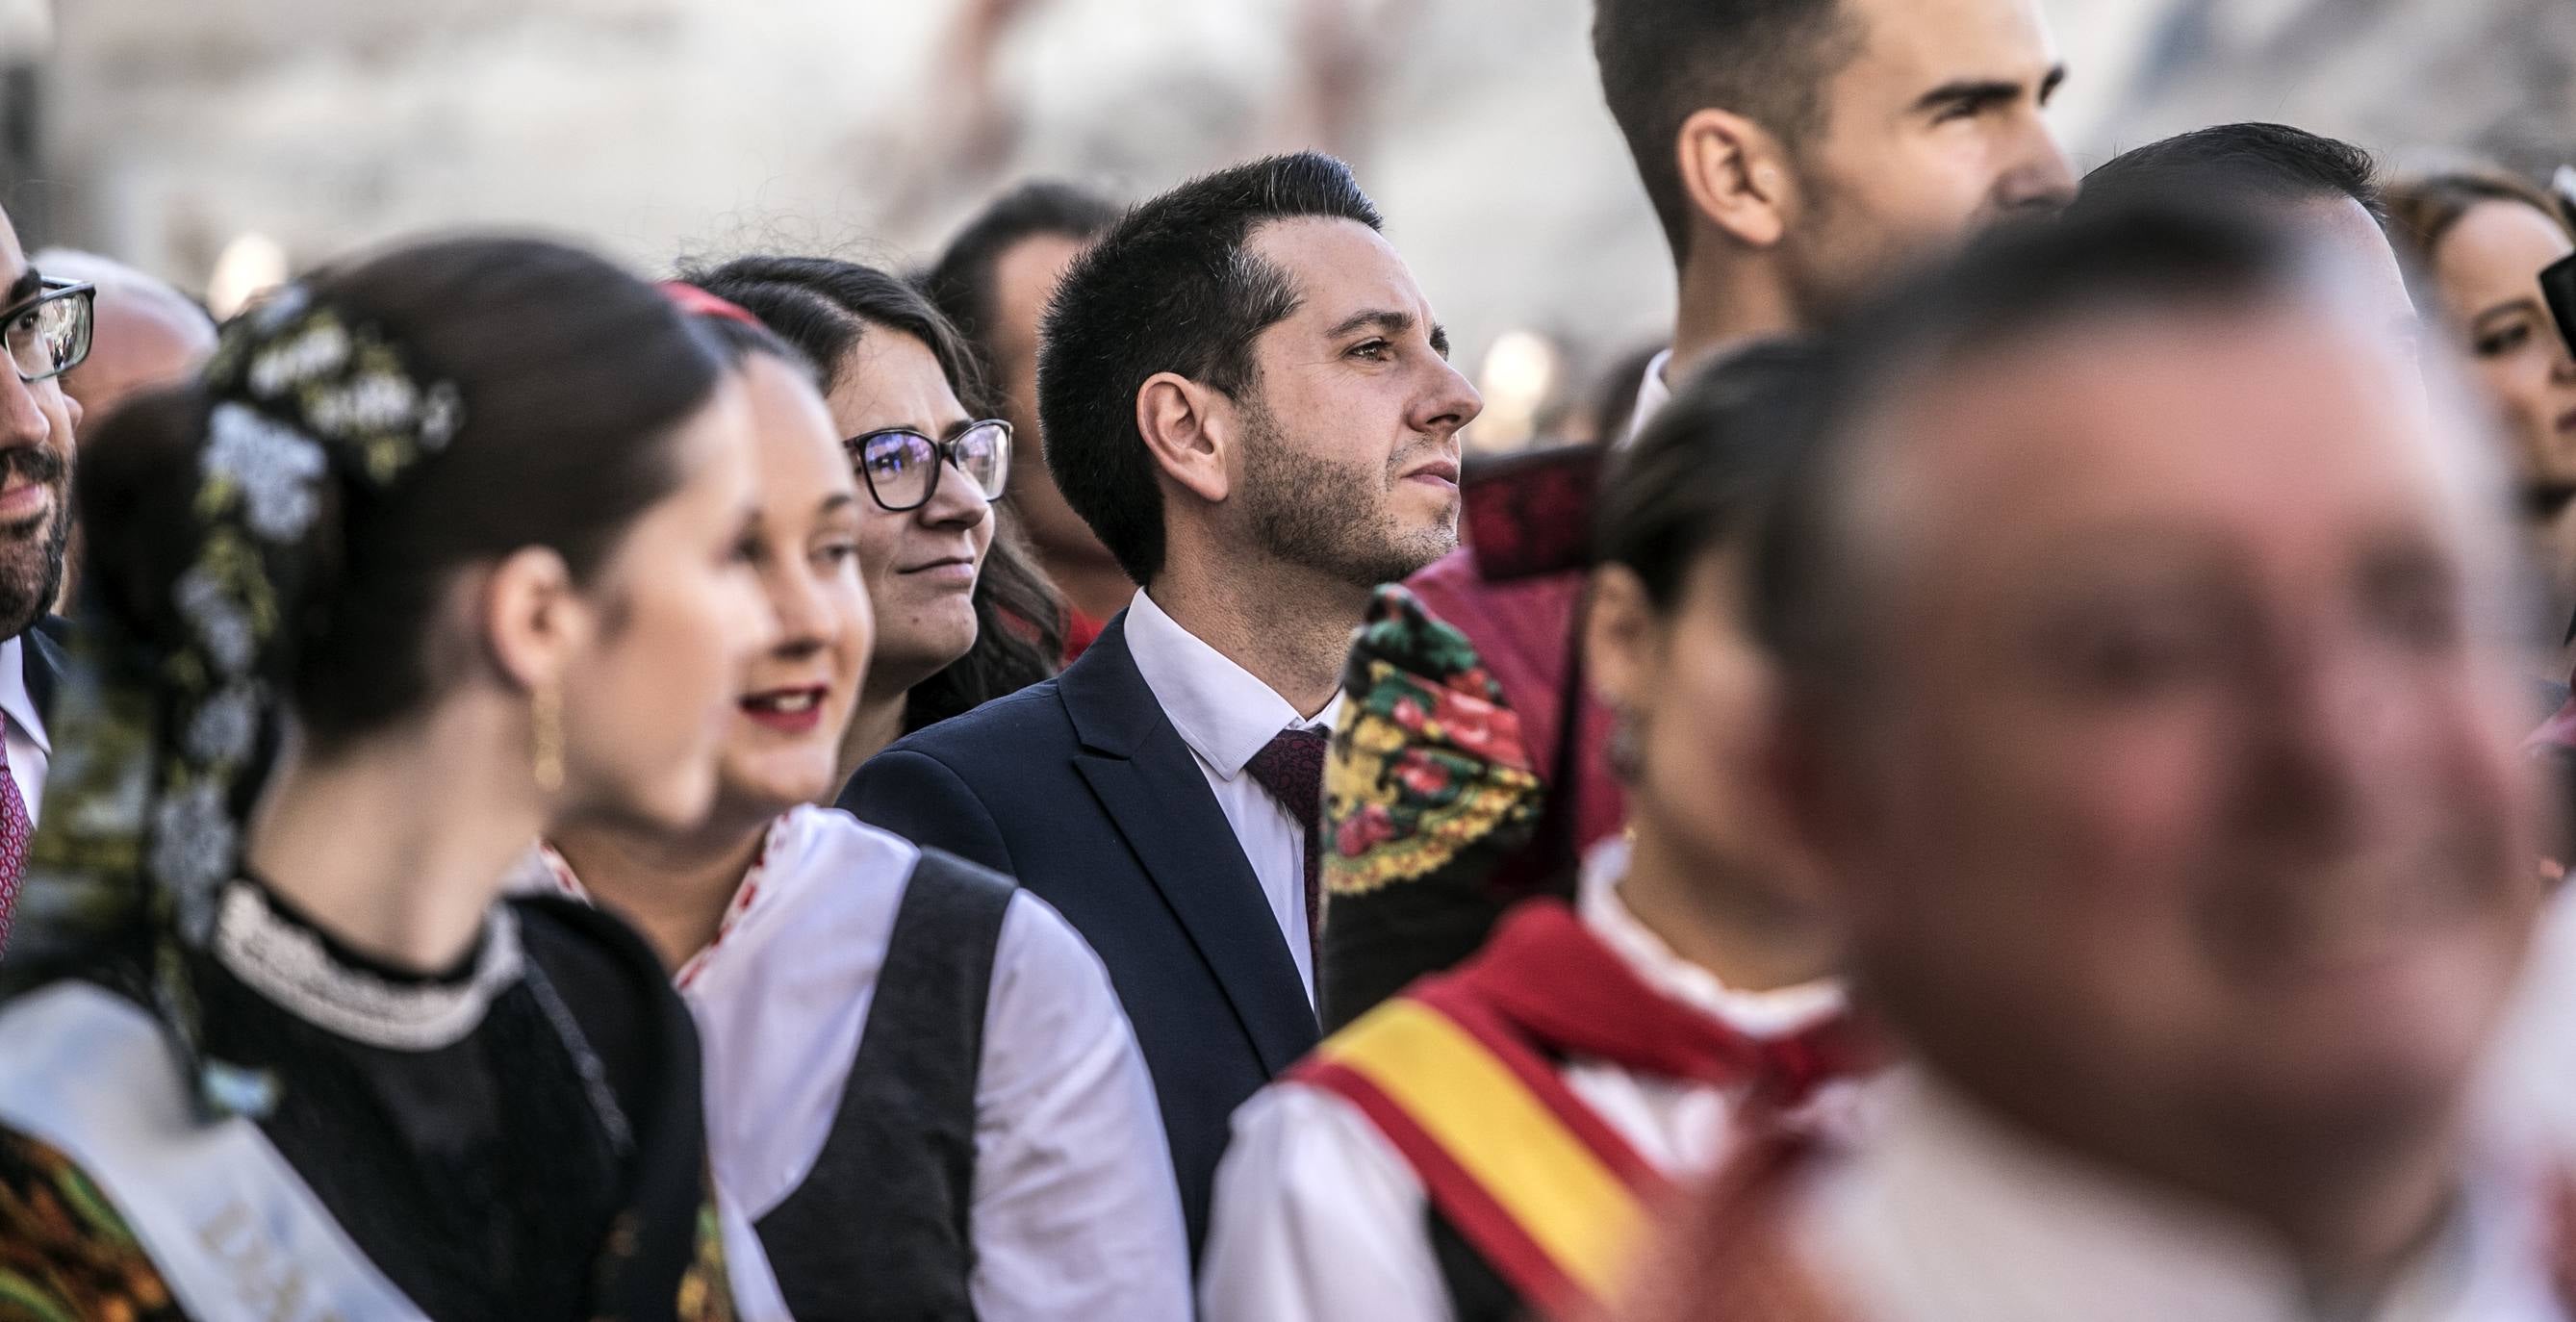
x: 796, y: 698
x: 993, y: 283
x: 1669, y: 643
x: 48, y: 330
x: 147, y: 332
x: 530, y: 487
x: 2145, y: 699
x: 2480, y: 241
x: 2327, y: 189
x: 1241, y: 375
x: 1798, y: 152
x: 951, y: 629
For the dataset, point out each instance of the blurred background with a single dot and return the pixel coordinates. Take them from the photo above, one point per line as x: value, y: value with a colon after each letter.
x: 222, y: 143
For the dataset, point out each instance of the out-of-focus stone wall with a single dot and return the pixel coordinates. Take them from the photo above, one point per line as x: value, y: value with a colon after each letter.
x: 658, y: 128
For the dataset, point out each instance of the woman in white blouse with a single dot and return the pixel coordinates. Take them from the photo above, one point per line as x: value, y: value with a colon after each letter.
x: 922, y: 1098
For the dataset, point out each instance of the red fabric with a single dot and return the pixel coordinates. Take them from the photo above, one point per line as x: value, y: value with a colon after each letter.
x: 15, y: 830
x: 1733, y: 1260
x: 697, y: 302
x: 1290, y: 768
x: 1080, y: 632
x: 1523, y: 629
x: 1554, y: 984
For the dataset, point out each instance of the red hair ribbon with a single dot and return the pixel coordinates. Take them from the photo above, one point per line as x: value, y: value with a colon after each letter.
x: 699, y: 303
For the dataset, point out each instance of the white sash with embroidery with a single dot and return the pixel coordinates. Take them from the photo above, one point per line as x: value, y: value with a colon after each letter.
x: 232, y: 1228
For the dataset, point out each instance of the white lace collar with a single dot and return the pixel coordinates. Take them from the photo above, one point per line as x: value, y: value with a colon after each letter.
x: 286, y: 961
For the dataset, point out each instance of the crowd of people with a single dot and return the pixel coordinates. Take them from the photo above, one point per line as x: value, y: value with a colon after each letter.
x: 2021, y: 781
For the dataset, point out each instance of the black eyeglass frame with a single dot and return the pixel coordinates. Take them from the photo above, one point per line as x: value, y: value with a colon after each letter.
x: 945, y: 452
x: 49, y: 290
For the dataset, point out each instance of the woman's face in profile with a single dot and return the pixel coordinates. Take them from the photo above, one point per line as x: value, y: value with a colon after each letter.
x: 2487, y: 270
x: 678, y: 613
x: 919, y: 565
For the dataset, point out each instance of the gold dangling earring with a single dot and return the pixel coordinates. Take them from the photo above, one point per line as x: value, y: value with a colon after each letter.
x: 545, y: 718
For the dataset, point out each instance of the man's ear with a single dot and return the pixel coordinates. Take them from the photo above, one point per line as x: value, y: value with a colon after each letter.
x: 1189, y: 429
x: 1736, y: 176
x: 530, y: 618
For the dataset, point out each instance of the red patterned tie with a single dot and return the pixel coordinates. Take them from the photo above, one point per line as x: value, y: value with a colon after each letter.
x: 1291, y: 768
x: 15, y: 828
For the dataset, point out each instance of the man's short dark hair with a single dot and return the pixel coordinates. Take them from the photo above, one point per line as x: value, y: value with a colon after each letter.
x: 2238, y: 162
x: 961, y: 281
x: 1170, y: 288
x: 1663, y: 61
x: 1812, y: 597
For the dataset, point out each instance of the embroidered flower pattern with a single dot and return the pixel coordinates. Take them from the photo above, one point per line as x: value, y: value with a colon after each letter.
x: 156, y: 752
x: 273, y: 466
x: 226, y: 727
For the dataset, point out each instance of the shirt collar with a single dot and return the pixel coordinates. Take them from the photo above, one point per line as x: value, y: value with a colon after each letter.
x: 1764, y: 1014
x: 1941, y: 1181
x: 1652, y: 394
x: 542, y: 871
x: 15, y: 701
x: 1221, y: 710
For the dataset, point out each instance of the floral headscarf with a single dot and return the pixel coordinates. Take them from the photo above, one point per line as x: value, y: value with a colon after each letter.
x: 157, y: 748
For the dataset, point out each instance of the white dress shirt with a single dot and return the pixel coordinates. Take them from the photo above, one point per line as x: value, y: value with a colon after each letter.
x: 1317, y: 1215
x: 1075, y: 1211
x: 1944, y: 1214
x: 31, y: 754
x: 1226, y: 716
x: 1653, y: 394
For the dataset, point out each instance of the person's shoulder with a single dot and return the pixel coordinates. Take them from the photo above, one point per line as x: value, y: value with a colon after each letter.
x: 1000, y: 734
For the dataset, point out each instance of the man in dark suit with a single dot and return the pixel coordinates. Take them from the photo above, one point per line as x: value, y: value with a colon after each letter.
x: 45, y: 325
x: 1247, y: 398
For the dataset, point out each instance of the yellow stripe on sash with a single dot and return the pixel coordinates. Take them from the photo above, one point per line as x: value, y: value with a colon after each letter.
x: 1571, y: 1203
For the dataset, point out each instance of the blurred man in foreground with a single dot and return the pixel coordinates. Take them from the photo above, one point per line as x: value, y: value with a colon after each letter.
x: 1796, y: 152
x: 2149, y: 700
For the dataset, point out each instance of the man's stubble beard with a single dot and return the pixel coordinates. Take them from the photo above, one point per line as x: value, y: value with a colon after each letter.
x: 1300, y: 509
x: 31, y: 569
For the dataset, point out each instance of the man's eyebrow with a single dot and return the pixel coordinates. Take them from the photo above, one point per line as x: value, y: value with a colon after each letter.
x: 1390, y: 322
x: 1976, y: 94
x: 28, y: 284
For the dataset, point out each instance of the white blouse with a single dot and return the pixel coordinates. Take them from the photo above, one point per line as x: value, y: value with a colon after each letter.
x: 1075, y: 1213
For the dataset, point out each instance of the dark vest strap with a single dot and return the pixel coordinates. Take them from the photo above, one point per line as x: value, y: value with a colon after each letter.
x: 879, y: 1229
x: 1477, y: 1292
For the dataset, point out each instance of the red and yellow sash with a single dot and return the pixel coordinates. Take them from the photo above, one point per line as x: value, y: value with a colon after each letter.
x: 1460, y: 1073
x: 1552, y: 1197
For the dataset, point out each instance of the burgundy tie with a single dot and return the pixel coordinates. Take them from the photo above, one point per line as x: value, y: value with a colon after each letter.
x: 1291, y: 768
x: 15, y: 828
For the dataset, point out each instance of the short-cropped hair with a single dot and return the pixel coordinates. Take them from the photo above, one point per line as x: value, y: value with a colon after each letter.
x: 2234, y: 163
x: 1813, y: 593
x: 1170, y: 288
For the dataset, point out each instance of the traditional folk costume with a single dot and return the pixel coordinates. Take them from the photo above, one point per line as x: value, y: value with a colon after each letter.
x: 1946, y: 1215
x: 211, y: 1109
x: 1495, y: 1142
x: 922, y: 1095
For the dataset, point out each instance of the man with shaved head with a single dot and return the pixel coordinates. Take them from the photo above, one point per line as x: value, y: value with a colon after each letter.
x: 2149, y: 700
x: 148, y: 333
x: 45, y: 323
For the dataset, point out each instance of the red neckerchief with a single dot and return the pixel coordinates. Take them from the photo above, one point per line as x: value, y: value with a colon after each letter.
x: 1549, y: 977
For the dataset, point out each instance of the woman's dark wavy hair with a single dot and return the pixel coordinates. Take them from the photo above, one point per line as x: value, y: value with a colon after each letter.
x: 562, y: 361
x: 825, y: 307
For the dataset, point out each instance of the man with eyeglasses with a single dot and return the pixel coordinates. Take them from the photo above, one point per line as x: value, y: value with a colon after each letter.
x: 1248, y: 399
x: 46, y: 327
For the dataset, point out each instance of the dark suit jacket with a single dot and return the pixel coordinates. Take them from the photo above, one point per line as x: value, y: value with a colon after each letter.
x: 42, y: 661
x: 1081, y: 788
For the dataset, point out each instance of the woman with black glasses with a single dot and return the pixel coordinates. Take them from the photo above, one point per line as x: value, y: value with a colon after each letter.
x: 962, y: 615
